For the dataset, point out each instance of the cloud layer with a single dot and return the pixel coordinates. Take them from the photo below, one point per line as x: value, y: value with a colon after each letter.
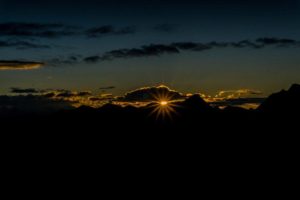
x: 19, y: 65
x: 142, y: 96
x: 148, y: 94
x: 33, y: 103
x: 20, y: 44
x: 178, y: 47
x: 53, y: 31
x: 20, y: 29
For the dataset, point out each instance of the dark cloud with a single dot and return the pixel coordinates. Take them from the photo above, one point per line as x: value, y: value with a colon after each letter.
x: 190, y: 46
x: 33, y: 103
x: 24, y: 91
x: 83, y: 94
x: 240, y: 101
x: 178, y: 47
x: 107, y: 88
x: 22, y: 45
x: 109, y: 30
x: 148, y: 94
x: 144, y: 51
x: 51, y: 31
x: 246, y: 44
x: 276, y: 41
x: 65, y: 94
x: 21, y: 29
x: 92, y: 59
x: 68, y: 94
x: 75, y: 98
x: 42, y: 92
x: 19, y: 65
x: 69, y: 60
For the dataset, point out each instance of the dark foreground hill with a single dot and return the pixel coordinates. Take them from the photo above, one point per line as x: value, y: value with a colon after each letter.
x: 196, y: 139
x: 283, y: 102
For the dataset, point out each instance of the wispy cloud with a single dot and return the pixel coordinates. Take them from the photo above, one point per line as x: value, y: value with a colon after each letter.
x: 107, y: 88
x: 244, y: 98
x: 229, y: 94
x: 144, y: 51
x: 42, y: 30
x: 19, y: 65
x: 108, y: 30
x: 21, y: 44
x: 54, y: 31
x: 18, y: 90
x: 178, y: 47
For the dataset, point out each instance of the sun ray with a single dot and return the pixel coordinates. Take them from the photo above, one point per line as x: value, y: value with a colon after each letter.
x: 164, y: 107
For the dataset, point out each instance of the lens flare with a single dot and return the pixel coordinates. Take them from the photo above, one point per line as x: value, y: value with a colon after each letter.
x: 164, y: 107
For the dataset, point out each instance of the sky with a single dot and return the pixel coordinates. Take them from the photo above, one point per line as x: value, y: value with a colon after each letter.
x: 121, y: 45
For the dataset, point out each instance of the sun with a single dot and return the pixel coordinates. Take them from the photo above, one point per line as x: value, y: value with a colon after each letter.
x: 164, y: 108
x: 164, y: 103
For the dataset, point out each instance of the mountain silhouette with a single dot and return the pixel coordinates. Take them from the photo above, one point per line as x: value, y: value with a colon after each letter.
x: 275, y: 113
x: 196, y: 103
x: 283, y: 101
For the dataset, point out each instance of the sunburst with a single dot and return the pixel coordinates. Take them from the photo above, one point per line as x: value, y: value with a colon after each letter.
x: 164, y: 107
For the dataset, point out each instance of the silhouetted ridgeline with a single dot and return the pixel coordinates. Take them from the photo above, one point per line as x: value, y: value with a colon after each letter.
x: 193, y: 113
x: 283, y: 102
x: 229, y: 141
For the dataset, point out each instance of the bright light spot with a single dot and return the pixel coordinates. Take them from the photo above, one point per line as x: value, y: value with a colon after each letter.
x: 163, y: 103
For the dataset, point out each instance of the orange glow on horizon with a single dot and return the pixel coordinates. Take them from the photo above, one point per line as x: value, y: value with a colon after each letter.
x: 164, y: 107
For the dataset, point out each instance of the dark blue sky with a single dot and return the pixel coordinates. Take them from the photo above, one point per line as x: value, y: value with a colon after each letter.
x: 93, y: 29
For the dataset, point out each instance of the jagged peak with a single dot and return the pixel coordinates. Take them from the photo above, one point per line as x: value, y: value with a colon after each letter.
x: 295, y: 88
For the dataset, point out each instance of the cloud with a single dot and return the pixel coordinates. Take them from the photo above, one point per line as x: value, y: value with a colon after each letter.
x: 148, y: 94
x: 22, y: 45
x: 24, y: 91
x: 148, y: 51
x: 144, y: 51
x: 68, y: 94
x: 92, y: 59
x: 19, y: 65
x: 244, y: 98
x: 143, y: 96
x: 33, y: 103
x: 102, y: 97
x: 53, y: 31
x: 277, y: 41
x: 231, y: 94
x: 79, y: 98
x: 179, y: 47
x: 69, y: 60
x: 246, y: 44
x: 243, y: 102
x: 109, y: 30
x: 107, y: 88
x: 42, y: 30
x: 74, y: 98
x: 140, y: 97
